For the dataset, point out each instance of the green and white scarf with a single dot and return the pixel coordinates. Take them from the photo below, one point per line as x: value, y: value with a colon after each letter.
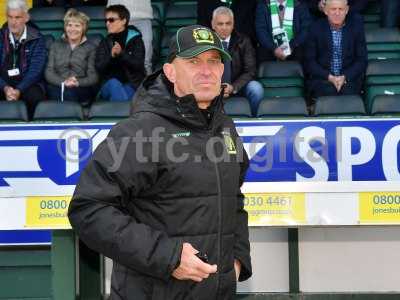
x: 287, y: 19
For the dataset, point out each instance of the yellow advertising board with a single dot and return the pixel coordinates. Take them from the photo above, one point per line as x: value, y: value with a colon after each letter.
x: 275, y: 208
x: 379, y: 208
x: 47, y: 212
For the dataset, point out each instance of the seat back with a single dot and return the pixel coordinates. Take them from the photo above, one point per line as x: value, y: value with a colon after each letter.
x: 13, y: 111
x: 179, y: 15
x: 238, y: 107
x: 50, y: 20
x: 386, y: 105
x: 58, y: 111
x: 109, y: 110
x: 339, y: 105
x: 383, y: 43
x: 282, y: 107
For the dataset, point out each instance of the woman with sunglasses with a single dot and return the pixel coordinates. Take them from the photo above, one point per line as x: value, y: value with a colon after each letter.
x: 70, y: 72
x: 120, y: 56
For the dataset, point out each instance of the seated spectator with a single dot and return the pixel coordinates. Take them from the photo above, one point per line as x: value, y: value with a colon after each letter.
x: 336, y: 56
x: 317, y: 6
x: 240, y: 72
x: 120, y: 56
x: 390, y: 13
x: 22, y: 58
x: 70, y: 71
x: 281, y: 28
x: 141, y: 14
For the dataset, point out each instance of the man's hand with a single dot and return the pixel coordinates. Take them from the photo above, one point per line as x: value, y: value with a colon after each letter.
x: 71, y: 82
x: 11, y: 93
x: 191, y: 267
x: 279, y: 54
x: 116, y: 49
x: 238, y: 266
x: 228, y: 90
x: 340, y: 81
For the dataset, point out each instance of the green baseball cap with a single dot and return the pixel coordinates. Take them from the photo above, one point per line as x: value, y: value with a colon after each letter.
x: 193, y: 40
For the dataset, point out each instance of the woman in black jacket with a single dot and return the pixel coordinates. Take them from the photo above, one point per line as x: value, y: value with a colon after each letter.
x: 120, y: 56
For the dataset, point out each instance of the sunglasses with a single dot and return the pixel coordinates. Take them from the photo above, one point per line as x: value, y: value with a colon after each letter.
x: 111, y: 20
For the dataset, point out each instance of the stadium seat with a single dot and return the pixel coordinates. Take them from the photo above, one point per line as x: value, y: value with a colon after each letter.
x: 282, y: 107
x: 161, y: 7
x: 386, y: 105
x: 50, y: 20
x: 351, y: 105
x: 281, y: 79
x: 58, y: 111
x: 13, y: 111
x: 383, y: 43
x: 164, y: 48
x: 237, y: 107
x: 109, y: 110
x: 179, y: 15
x: 383, y: 78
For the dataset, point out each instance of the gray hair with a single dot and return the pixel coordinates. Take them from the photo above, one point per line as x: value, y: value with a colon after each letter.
x: 222, y: 10
x: 329, y: 1
x: 17, y: 4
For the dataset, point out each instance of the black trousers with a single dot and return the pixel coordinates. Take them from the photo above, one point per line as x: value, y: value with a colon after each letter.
x: 31, y: 96
x: 319, y: 88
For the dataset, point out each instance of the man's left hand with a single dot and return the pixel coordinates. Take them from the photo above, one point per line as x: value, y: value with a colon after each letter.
x: 238, y: 266
x: 228, y: 90
x: 340, y: 82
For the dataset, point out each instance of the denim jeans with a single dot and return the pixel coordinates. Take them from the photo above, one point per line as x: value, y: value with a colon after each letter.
x: 254, y: 92
x: 114, y: 90
x: 144, y: 25
x: 78, y: 94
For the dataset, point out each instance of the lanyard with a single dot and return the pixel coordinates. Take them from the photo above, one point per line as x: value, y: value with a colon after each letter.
x: 287, y: 19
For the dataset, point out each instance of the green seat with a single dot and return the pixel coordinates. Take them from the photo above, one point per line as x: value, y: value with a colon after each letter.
x: 161, y: 7
x: 383, y: 43
x: 383, y: 78
x: 58, y: 111
x: 386, y: 105
x: 109, y: 110
x: 281, y: 79
x: 282, y: 107
x: 13, y: 111
x: 180, y: 15
x: 48, y: 18
x: 351, y: 105
x: 96, y: 15
x: 49, y: 40
x: 237, y: 107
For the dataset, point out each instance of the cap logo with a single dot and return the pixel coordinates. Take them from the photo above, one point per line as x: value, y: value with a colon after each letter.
x: 202, y: 35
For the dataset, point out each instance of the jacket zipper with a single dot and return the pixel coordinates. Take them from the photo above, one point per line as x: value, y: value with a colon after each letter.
x: 219, y: 234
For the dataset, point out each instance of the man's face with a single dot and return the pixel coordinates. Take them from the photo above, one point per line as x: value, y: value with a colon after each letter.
x: 200, y: 76
x: 114, y: 23
x: 16, y: 19
x: 223, y: 25
x: 336, y: 12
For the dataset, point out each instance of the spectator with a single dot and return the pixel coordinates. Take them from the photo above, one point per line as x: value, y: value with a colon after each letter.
x: 70, y: 71
x: 240, y: 72
x: 336, y: 56
x: 278, y: 21
x: 22, y: 58
x: 243, y: 10
x: 317, y: 6
x: 390, y: 12
x: 120, y: 56
x: 141, y: 15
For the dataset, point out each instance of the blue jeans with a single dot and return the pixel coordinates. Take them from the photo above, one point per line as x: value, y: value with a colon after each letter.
x: 144, y: 25
x: 79, y: 94
x: 254, y: 92
x: 114, y: 90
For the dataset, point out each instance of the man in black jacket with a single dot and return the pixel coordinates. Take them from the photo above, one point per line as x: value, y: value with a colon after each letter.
x: 239, y: 73
x: 120, y: 56
x: 161, y: 196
